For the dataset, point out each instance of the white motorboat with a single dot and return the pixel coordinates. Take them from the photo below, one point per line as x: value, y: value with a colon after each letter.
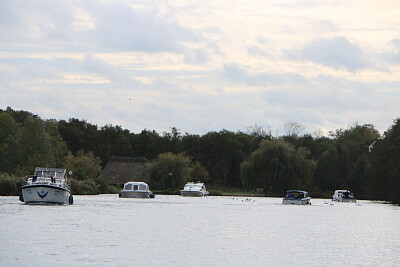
x: 194, y: 190
x: 47, y: 185
x: 343, y: 196
x: 297, y: 197
x: 136, y: 190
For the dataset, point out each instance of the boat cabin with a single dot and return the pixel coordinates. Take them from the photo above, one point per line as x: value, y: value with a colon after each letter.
x: 136, y: 186
x: 296, y: 194
x: 194, y: 187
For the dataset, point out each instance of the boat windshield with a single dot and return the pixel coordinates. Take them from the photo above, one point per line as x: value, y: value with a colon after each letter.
x: 128, y: 187
x: 193, y: 187
x: 136, y: 187
x: 296, y: 194
x: 48, y: 174
x: 142, y: 187
x: 347, y: 194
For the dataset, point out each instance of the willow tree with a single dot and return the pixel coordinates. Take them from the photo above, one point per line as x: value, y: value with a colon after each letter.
x: 169, y: 171
x: 277, y: 166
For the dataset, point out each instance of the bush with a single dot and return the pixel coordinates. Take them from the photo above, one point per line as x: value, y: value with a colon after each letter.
x: 86, y: 187
x: 10, y: 185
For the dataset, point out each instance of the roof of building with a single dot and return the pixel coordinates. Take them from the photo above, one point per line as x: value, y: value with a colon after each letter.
x: 120, y: 170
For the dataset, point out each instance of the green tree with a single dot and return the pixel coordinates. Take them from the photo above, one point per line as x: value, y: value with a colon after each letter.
x: 32, y: 147
x: 383, y: 171
x: 352, y: 148
x: 277, y: 166
x: 199, y: 173
x: 84, y: 165
x: 8, y: 131
x: 169, y: 171
x: 221, y: 153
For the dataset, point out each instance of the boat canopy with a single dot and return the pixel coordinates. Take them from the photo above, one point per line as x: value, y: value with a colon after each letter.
x: 194, y: 186
x: 344, y: 193
x: 136, y: 186
x: 296, y: 194
x: 49, y: 172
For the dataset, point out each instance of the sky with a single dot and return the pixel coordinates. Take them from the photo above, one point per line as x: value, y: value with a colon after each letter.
x: 202, y: 66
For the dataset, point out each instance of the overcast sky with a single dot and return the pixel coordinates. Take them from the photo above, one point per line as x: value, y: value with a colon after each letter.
x: 203, y: 65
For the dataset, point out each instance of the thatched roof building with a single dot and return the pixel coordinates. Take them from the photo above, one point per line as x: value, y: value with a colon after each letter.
x: 120, y: 170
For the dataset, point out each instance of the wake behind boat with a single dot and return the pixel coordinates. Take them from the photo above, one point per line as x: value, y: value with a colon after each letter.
x: 47, y: 185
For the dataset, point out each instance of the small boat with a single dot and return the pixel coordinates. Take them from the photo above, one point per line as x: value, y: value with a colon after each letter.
x: 47, y: 185
x: 343, y: 196
x: 297, y: 197
x: 136, y: 190
x: 194, y: 190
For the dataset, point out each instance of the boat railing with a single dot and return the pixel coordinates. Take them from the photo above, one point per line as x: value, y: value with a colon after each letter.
x: 43, y: 180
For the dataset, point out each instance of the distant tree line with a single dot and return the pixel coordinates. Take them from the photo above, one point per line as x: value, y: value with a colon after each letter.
x: 251, y: 160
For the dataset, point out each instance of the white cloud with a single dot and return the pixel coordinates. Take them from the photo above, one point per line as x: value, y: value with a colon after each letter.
x: 238, y: 73
x: 338, y: 53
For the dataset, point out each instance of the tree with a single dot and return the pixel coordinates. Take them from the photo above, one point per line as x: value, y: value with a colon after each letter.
x: 383, y: 171
x: 8, y: 131
x: 169, y: 171
x: 352, y: 153
x: 294, y: 129
x: 277, y: 166
x: 84, y: 165
x: 32, y: 147
x: 199, y: 173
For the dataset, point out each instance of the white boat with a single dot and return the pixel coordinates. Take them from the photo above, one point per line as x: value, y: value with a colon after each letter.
x: 297, y: 197
x: 343, y: 196
x: 136, y: 190
x: 194, y: 190
x: 47, y: 185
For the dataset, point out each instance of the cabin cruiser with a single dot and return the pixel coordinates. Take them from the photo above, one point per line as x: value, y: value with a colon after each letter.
x: 297, y: 197
x: 136, y: 190
x: 194, y: 190
x: 343, y: 196
x: 47, y: 185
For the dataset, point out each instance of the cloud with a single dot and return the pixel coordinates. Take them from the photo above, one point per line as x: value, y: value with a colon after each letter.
x: 235, y: 72
x: 196, y: 56
x: 393, y: 55
x: 337, y: 53
x: 115, y: 26
x: 119, y: 27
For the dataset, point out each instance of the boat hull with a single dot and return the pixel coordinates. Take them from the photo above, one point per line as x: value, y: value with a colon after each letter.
x: 45, y: 194
x: 136, y: 194
x: 302, y: 201
x: 352, y: 200
x: 186, y: 193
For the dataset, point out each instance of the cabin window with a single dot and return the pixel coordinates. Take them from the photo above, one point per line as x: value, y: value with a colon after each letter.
x: 135, y: 187
x: 128, y: 187
x: 142, y: 187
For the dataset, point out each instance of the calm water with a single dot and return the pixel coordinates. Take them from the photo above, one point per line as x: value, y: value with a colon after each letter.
x: 211, y: 231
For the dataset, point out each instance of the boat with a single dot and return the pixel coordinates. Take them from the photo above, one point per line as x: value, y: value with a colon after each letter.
x: 297, y: 197
x: 47, y: 186
x: 136, y: 190
x: 193, y: 189
x: 343, y: 196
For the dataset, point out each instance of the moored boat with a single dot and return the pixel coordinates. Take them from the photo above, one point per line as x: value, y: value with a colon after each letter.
x: 136, y: 190
x: 343, y: 196
x: 47, y: 185
x: 193, y: 189
x: 297, y: 197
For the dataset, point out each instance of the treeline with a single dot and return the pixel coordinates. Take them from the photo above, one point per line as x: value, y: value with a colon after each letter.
x: 251, y: 160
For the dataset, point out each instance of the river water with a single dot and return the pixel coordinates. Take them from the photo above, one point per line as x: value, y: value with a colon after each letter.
x: 105, y: 230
